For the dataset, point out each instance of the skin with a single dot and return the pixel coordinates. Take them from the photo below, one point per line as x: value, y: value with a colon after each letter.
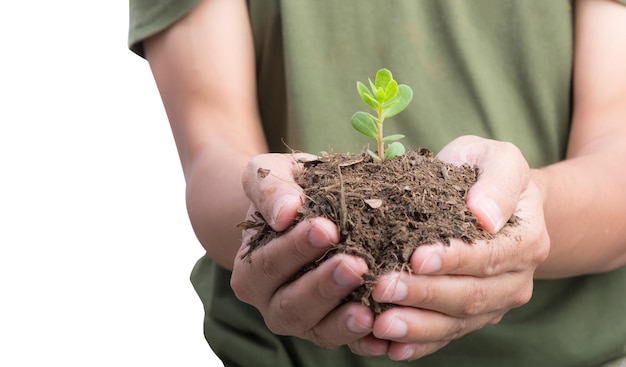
x: 452, y: 290
x: 210, y: 101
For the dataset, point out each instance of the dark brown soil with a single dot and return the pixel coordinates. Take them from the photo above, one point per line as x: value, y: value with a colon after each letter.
x: 383, y: 210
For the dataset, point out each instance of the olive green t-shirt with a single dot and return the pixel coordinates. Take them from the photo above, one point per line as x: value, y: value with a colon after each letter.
x: 500, y: 69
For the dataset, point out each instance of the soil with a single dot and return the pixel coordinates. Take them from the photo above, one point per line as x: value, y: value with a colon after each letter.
x: 383, y: 210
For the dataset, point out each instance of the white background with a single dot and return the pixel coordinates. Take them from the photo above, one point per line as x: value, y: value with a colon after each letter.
x: 95, y: 243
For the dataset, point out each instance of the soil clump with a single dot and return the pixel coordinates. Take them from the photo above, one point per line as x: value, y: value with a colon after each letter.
x: 383, y: 210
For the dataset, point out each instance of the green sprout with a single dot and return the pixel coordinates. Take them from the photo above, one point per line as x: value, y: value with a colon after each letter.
x: 388, y: 99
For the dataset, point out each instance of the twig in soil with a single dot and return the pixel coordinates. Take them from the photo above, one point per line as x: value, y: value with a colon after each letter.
x: 343, y: 210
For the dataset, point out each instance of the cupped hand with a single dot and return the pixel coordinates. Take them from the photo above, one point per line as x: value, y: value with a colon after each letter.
x: 309, y: 307
x: 454, y: 290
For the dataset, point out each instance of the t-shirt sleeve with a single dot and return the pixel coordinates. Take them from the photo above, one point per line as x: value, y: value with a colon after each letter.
x: 149, y: 17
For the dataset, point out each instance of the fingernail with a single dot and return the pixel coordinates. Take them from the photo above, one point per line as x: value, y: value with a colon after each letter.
x: 278, y: 208
x: 400, y: 292
x: 431, y: 265
x: 397, y: 329
x: 346, y: 276
x: 409, y: 352
x: 493, y: 214
x: 376, y: 348
x: 395, y: 291
x: 357, y: 327
x: 318, y: 237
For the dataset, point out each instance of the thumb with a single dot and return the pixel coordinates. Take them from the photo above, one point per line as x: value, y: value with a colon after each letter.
x: 268, y: 181
x: 503, y: 174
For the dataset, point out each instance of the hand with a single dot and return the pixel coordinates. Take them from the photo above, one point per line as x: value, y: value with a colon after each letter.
x: 455, y: 290
x: 307, y: 307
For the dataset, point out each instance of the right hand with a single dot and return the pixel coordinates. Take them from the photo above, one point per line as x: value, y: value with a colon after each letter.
x: 311, y: 306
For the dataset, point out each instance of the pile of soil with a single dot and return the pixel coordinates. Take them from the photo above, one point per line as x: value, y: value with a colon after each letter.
x: 383, y: 210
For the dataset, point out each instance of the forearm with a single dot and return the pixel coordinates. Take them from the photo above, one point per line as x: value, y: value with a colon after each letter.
x: 205, y: 71
x: 216, y: 201
x: 584, y: 211
x: 584, y: 197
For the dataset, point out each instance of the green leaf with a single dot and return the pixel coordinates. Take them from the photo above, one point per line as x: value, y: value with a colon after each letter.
x: 363, y: 123
x: 374, y: 118
x: 375, y: 156
x: 391, y: 91
x: 402, y: 100
x: 394, y: 150
x: 394, y: 137
x: 386, y: 105
x: 380, y: 95
x: 383, y: 77
x: 372, y: 85
x: 366, y: 96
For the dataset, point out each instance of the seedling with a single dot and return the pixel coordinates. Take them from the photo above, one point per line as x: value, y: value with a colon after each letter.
x: 388, y: 99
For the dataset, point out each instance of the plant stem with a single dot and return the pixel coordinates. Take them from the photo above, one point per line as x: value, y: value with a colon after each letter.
x: 379, y: 138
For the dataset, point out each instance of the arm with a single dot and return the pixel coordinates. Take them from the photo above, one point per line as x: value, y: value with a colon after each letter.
x: 204, y: 68
x: 585, y: 192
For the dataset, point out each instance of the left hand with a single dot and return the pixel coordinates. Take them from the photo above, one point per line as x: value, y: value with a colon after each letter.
x: 455, y: 290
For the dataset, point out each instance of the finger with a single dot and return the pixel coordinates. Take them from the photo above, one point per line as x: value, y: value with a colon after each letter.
x: 257, y: 277
x: 268, y: 181
x: 412, y: 325
x: 372, y: 346
x: 412, y: 351
x: 478, y: 259
x: 369, y: 346
x: 503, y: 176
x: 304, y: 303
x: 456, y: 296
x: 348, y: 324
